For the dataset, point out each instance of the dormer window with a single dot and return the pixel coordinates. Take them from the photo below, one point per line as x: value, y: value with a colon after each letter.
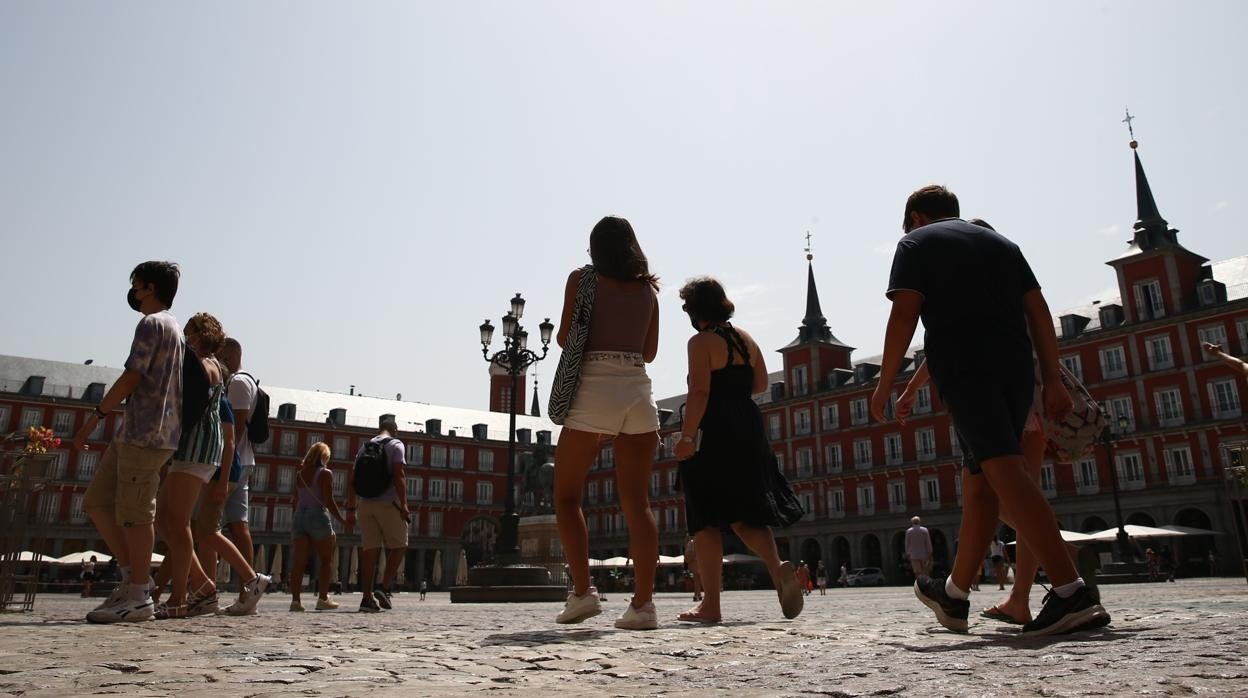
x: 1148, y: 300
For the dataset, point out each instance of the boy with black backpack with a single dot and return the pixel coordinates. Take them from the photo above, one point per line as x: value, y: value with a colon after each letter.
x: 377, y: 483
x: 251, y: 426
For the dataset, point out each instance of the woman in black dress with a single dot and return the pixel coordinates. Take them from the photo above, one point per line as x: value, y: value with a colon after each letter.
x: 728, y: 473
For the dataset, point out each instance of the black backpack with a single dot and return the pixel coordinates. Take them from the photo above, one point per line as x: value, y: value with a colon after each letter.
x: 372, y: 469
x: 258, y: 420
x: 196, y: 388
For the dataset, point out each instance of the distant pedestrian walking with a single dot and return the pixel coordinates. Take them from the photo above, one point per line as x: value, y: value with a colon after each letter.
x: 691, y: 561
x: 919, y: 548
x: 996, y: 554
x: 424, y: 589
x: 821, y: 578
x: 87, y: 576
x: 312, y: 527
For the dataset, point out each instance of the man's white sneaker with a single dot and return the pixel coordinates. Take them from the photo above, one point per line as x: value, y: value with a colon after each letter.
x: 578, y: 608
x: 126, y: 611
x: 644, y: 618
x: 253, y: 591
x: 117, y: 596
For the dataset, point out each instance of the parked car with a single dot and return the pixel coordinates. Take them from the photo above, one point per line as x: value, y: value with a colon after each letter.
x: 866, y: 577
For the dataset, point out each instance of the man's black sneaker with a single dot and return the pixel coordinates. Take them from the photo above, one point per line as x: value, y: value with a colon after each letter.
x: 1080, y: 611
x: 950, y: 612
x: 369, y: 605
x: 382, y: 598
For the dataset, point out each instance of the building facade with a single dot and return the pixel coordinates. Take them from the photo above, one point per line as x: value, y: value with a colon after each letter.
x: 1139, y: 354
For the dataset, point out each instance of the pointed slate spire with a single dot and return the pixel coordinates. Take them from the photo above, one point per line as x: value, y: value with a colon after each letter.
x: 1147, y: 215
x: 535, y: 411
x: 814, y: 329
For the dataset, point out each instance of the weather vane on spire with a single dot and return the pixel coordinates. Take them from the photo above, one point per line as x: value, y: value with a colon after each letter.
x: 809, y: 254
x: 1130, y: 128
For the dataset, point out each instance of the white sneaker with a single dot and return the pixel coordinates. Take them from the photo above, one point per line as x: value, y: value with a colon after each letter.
x: 578, y: 608
x: 124, y: 611
x: 253, y: 591
x: 117, y: 596
x: 644, y: 618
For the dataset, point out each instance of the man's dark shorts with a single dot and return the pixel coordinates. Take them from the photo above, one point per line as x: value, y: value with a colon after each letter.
x: 989, y: 415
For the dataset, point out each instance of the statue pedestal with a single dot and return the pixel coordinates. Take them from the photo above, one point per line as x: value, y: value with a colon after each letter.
x: 518, y: 583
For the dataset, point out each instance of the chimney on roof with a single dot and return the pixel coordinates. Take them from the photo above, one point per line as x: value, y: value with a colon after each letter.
x: 33, y: 386
x: 481, y: 432
x: 1111, y: 316
x: 839, y: 377
x: 1072, y: 325
x: 524, y: 436
x: 433, y: 427
x: 286, y: 411
x: 664, y: 417
x: 338, y: 417
x: 543, y: 437
x: 777, y: 390
x: 94, y: 392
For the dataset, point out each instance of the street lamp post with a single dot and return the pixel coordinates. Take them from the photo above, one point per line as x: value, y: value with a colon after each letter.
x: 514, y: 358
x: 1108, y: 440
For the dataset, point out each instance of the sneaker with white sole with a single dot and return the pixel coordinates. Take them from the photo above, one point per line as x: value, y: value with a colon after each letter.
x: 253, y: 591
x: 326, y: 605
x: 1082, y: 610
x: 126, y: 611
x: 644, y: 618
x: 579, y: 608
x: 115, y: 597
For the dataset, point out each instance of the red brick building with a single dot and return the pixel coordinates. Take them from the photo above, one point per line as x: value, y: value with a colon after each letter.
x: 861, y: 481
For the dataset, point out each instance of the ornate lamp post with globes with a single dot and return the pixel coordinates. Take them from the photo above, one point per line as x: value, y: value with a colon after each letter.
x: 505, y: 579
x: 514, y: 358
x: 1108, y: 439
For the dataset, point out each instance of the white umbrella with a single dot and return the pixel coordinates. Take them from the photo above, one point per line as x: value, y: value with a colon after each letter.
x: 741, y: 558
x: 27, y: 556
x: 79, y: 558
x: 437, y: 568
x: 616, y: 562
x: 353, y: 567
x: 461, y: 572
x: 1070, y: 537
x: 275, y: 570
x: 671, y: 560
x: 1189, y: 531
x: 595, y: 563
x: 1135, y: 531
x: 333, y: 566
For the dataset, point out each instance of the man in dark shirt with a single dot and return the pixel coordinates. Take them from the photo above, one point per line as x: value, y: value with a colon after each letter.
x: 979, y: 301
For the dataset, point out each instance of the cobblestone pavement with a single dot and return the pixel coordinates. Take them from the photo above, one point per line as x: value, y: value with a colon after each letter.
x: 1166, y: 639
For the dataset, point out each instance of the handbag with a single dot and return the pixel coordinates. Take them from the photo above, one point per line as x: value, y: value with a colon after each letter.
x: 568, y: 374
x: 786, y: 509
x: 1072, y: 437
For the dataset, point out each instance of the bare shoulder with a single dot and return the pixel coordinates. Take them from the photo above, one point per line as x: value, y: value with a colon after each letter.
x: 749, y: 338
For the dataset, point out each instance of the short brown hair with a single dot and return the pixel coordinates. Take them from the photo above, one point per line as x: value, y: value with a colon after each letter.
x: 933, y: 201
x: 706, y: 300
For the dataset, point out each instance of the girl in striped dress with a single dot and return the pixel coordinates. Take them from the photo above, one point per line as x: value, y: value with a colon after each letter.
x: 196, y: 459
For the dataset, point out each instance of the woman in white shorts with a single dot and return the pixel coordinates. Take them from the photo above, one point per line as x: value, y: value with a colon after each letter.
x: 613, y: 402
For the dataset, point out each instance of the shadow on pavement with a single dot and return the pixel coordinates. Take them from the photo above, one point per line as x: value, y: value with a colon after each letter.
x: 542, y: 637
x: 1014, y: 640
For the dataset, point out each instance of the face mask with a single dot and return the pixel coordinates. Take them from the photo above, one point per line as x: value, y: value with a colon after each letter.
x: 132, y: 297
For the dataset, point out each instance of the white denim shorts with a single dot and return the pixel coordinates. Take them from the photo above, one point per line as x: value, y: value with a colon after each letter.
x: 203, y: 471
x: 614, y: 396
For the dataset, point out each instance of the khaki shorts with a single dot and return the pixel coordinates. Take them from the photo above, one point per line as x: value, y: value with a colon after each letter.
x: 208, y: 513
x: 614, y: 396
x: 126, y: 482
x: 381, y: 526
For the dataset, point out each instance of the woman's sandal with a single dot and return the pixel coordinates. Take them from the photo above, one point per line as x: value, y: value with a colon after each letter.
x: 994, y: 613
x: 166, y: 611
x: 695, y: 616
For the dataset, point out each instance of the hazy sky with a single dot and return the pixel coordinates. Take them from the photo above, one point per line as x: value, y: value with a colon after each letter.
x: 353, y: 187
